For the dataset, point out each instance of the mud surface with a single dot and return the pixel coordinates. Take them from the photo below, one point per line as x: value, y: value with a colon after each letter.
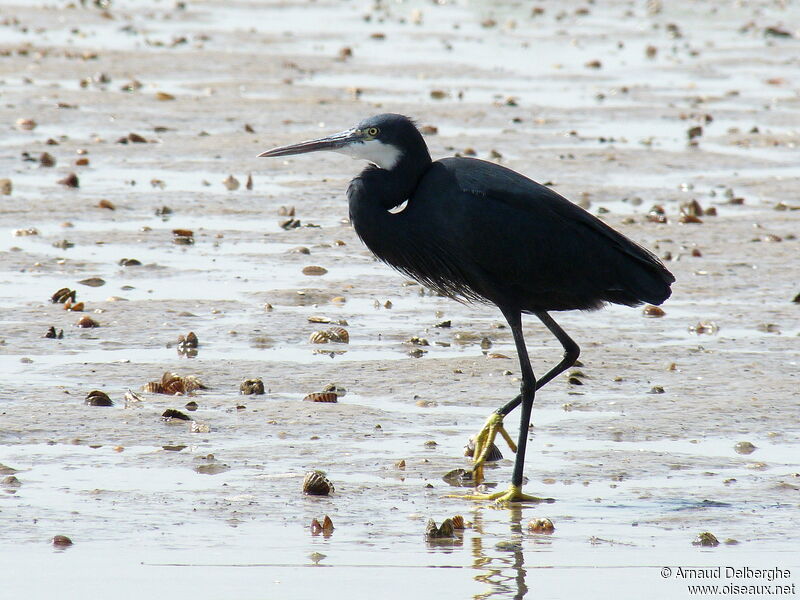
x: 641, y: 458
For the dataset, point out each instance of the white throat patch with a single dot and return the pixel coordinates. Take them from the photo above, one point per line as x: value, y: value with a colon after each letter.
x: 383, y: 155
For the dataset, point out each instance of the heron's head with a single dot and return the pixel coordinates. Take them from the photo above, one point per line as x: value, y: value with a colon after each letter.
x: 383, y: 140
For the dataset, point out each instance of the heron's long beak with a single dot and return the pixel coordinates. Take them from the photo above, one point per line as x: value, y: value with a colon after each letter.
x: 332, y: 142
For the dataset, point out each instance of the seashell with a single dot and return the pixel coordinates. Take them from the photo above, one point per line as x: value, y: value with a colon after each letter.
x: 543, y: 525
x: 153, y: 387
x: 196, y: 427
x: 164, y: 96
x: 337, y: 389
x: 249, y: 183
x: 93, y: 282
x: 52, y: 334
x: 329, y: 397
x: 231, y: 183
x: 339, y: 334
x: 326, y: 527
x: 444, y: 531
x: 458, y: 522
x: 314, y: 270
x: 183, y: 232
x: 25, y: 124
x: 704, y: 327
x: 417, y: 341
x: 130, y: 262
x: 47, y: 160
x: 653, y: 311
x: 319, y: 337
x: 689, y: 219
x: 70, y: 180
x: 459, y: 478
x: 106, y: 204
x: 316, y: 484
x: 98, y: 398
x: 183, y: 240
x: 77, y: 307
x: 286, y: 211
x: 252, y: 386
x: 6, y: 187
x: 62, y: 295
x: 61, y: 541
x: 191, y: 406
x: 26, y: 232
x: 744, y: 448
x: 136, y: 138
x: 706, y: 539
x: 171, y: 413
x: 316, y: 319
x: 188, y: 341
x: 657, y: 214
x: 493, y: 455
x: 86, y: 322
x: 132, y: 398
x: 290, y: 223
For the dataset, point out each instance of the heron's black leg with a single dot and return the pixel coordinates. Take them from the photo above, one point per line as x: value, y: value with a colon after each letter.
x: 571, y: 354
x: 527, y: 393
x: 495, y: 424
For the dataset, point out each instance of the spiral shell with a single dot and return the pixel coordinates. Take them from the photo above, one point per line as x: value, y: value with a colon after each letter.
x: 98, y: 398
x: 321, y: 397
x: 316, y: 484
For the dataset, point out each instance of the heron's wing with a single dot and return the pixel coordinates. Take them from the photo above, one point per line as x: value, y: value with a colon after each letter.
x: 530, y: 238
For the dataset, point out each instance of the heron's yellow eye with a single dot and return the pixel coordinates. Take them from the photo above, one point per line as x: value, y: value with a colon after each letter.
x: 373, y: 131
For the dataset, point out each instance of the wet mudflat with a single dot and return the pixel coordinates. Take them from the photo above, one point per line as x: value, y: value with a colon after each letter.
x: 154, y: 104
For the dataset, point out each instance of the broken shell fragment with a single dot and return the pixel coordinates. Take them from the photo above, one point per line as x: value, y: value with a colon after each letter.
x: 315, y: 483
x: 93, y: 282
x: 707, y: 539
x: 98, y: 398
x: 252, y: 386
x: 328, y: 397
x: 543, y: 525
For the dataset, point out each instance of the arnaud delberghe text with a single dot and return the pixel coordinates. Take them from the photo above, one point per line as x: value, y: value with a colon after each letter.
x: 732, y: 573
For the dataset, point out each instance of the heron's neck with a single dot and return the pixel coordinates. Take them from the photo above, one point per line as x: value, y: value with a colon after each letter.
x: 375, y: 191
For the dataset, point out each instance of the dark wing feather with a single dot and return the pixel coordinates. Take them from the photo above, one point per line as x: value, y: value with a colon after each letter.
x: 510, y: 240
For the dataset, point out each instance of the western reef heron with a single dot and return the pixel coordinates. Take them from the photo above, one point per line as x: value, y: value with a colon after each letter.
x: 478, y: 232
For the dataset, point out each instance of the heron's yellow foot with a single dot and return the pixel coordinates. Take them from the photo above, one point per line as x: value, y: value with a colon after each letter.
x: 484, y: 441
x: 512, y: 494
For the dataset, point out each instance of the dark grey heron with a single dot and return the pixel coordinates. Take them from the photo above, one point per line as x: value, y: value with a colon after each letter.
x: 478, y: 232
